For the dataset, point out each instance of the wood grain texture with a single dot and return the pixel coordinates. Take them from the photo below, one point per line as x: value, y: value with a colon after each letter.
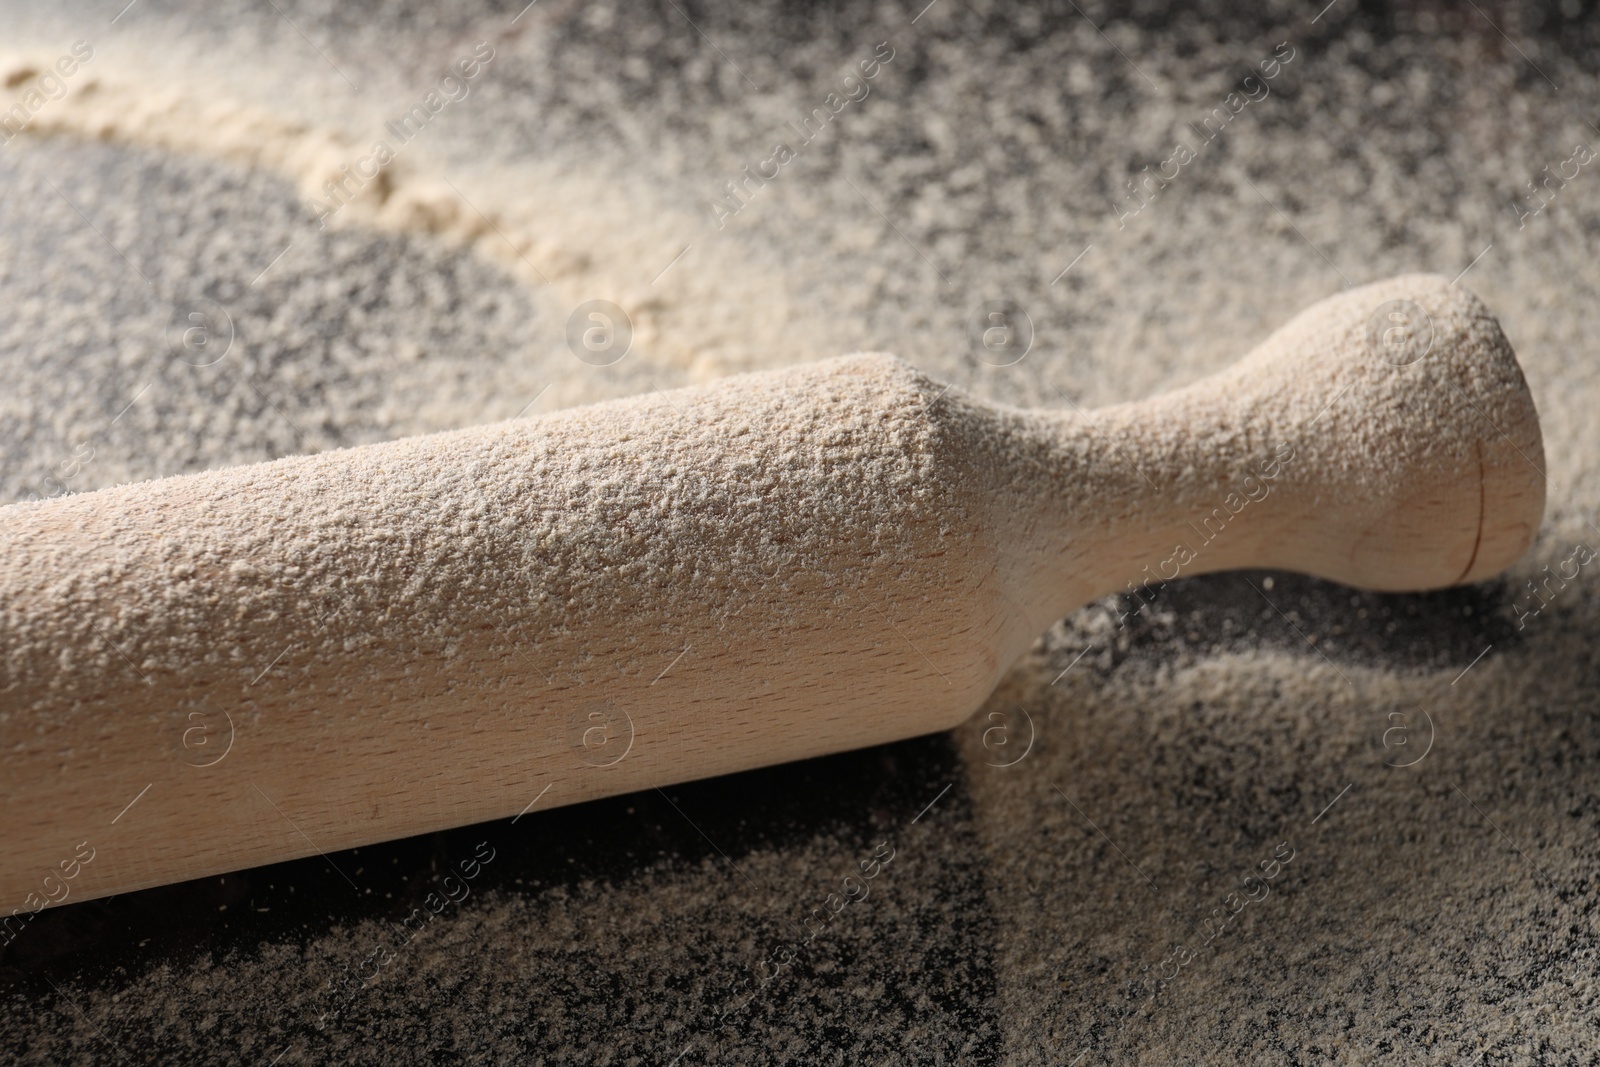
x: 388, y: 640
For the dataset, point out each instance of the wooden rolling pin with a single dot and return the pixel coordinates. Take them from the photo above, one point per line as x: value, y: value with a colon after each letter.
x: 221, y: 670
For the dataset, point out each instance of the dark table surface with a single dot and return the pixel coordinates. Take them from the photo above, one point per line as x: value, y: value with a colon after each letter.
x: 1430, y: 762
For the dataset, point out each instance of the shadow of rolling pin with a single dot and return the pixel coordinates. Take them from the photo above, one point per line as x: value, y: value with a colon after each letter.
x: 770, y: 567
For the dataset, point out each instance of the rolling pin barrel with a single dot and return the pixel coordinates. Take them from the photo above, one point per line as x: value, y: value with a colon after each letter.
x: 327, y: 651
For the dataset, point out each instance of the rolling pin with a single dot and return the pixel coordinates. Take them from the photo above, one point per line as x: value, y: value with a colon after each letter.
x: 220, y: 670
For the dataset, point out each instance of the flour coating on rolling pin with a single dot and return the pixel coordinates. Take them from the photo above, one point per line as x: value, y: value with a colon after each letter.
x: 798, y: 508
x: 610, y: 534
x: 1369, y: 420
